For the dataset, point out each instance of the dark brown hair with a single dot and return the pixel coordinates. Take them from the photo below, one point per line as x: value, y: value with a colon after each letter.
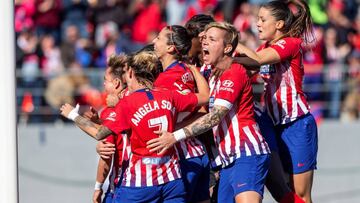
x: 296, y: 16
x: 180, y: 38
x: 197, y: 24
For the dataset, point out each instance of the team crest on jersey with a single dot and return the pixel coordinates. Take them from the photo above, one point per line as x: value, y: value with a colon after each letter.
x: 111, y: 116
x: 267, y: 69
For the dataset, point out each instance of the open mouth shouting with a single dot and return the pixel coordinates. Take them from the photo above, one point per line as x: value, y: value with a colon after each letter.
x: 206, y: 56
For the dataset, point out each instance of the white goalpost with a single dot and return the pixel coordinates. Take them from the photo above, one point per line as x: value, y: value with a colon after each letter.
x: 8, y: 154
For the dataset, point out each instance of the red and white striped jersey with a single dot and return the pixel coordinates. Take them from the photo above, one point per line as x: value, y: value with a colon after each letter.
x: 205, y: 71
x: 285, y: 100
x: 122, y: 145
x: 178, y: 77
x: 122, y: 149
x: 238, y: 133
x: 141, y: 113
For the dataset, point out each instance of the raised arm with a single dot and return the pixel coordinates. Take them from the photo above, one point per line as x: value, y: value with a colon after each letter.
x: 96, y: 131
x: 251, y: 59
x: 202, y: 86
x: 202, y: 124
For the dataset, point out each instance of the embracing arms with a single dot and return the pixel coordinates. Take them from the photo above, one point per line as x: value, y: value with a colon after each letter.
x: 202, y: 124
x: 253, y: 60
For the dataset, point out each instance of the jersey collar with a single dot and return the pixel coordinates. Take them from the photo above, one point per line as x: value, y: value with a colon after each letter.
x: 174, y: 64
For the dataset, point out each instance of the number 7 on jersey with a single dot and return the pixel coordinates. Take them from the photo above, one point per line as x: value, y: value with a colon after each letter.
x: 160, y: 122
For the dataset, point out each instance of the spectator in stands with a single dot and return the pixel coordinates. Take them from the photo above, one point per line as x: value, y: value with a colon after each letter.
x: 334, y: 60
x: 351, y: 104
x: 103, y: 11
x: 143, y: 29
x: 245, y: 19
x: 354, y: 36
x: 26, y: 44
x: 75, y: 48
x: 338, y: 20
x: 175, y: 10
x: 51, y: 63
x: 71, y: 87
x: 48, y: 18
x: 199, y: 7
x: 74, y: 13
x: 23, y: 15
x: 27, y: 61
x: 110, y: 35
x: 313, y: 73
x: 318, y: 12
x: 45, y: 17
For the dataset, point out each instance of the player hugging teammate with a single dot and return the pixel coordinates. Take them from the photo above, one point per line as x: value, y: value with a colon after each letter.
x: 161, y: 115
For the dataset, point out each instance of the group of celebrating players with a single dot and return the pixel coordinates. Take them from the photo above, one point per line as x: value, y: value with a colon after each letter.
x: 196, y: 80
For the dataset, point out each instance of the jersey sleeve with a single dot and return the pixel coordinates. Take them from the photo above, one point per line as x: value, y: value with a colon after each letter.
x: 232, y: 85
x: 184, y: 101
x: 185, y: 82
x: 287, y: 47
x: 110, y: 139
x: 104, y: 115
x: 116, y: 121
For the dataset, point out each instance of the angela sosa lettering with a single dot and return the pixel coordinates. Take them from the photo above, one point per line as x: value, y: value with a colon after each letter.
x: 149, y: 107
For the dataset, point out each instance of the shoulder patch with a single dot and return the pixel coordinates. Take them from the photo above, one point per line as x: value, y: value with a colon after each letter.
x: 111, y: 116
x: 281, y: 43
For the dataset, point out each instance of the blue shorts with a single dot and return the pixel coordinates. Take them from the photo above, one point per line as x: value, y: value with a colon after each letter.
x: 196, y: 176
x: 267, y: 130
x: 298, y: 144
x: 170, y: 192
x: 247, y: 173
x: 108, y: 197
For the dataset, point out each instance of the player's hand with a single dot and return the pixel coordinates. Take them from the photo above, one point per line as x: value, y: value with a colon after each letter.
x: 192, y: 67
x: 111, y: 100
x: 105, y: 149
x: 69, y: 111
x: 97, y: 196
x: 165, y: 141
x: 92, y: 115
x: 194, y: 70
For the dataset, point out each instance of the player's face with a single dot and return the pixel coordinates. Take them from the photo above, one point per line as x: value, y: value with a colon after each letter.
x: 267, y: 25
x: 111, y: 84
x: 160, y: 43
x: 213, y: 46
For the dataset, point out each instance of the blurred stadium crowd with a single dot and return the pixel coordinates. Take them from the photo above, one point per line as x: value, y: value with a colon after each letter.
x: 62, y: 46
